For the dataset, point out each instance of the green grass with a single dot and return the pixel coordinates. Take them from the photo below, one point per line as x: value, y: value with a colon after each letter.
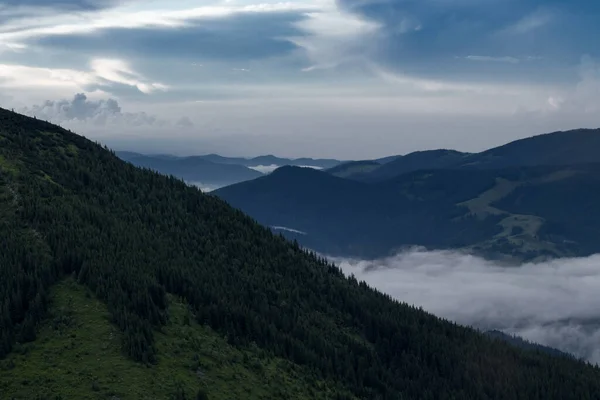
x: 77, y: 356
x: 72, y: 149
x: 481, y: 205
x: 520, y: 231
x: 7, y: 166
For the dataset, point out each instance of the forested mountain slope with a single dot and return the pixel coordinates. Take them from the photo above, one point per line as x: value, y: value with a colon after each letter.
x: 71, y: 211
x: 524, y: 212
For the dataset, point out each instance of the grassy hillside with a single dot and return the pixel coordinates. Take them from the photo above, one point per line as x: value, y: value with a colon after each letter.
x: 525, y: 212
x: 75, y: 219
x: 77, y: 354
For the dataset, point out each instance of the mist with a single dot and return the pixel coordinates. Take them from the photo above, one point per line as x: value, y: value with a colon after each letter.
x: 267, y: 169
x: 206, y: 187
x: 555, y: 303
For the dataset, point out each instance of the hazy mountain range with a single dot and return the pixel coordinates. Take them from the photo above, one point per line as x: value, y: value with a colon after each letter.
x: 213, y: 171
x: 531, y: 198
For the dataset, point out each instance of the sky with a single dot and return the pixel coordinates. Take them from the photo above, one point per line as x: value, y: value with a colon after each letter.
x: 554, y: 303
x: 350, y: 79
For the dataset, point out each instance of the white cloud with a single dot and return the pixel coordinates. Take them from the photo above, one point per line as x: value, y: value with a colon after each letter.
x: 283, y: 228
x: 206, y: 188
x: 118, y: 71
x: 581, y: 100
x: 334, y: 37
x: 265, y: 169
x: 538, y: 19
x: 505, y: 59
x: 437, y: 97
x: 21, y: 76
x: 102, y: 72
x: 81, y: 111
x: 126, y: 17
x: 554, y: 303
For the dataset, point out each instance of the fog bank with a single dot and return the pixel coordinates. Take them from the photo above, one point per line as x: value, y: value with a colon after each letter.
x: 554, y: 303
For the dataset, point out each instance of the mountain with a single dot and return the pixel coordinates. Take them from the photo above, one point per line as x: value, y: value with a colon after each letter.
x: 269, y: 160
x: 385, y: 160
x: 558, y: 148
x: 192, y: 169
x: 524, y: 212
x: 213, y: 170
x: 432, y: 159
x: 353, y: 169
x: 578, y: 146
x: 119, y: 282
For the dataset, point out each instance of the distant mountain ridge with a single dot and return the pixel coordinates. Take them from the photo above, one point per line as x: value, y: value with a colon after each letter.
x: 270, y: 160
x: 430, y: 159
x: 216, y: 170
x: 354, y: 168
x: 495, y: 203
x: 192, y: 169
x: 558, y: 148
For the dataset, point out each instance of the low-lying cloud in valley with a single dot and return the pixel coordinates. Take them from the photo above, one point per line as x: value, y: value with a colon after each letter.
x: 206, y: 187
x: 267, y: 169
x: 554, y: 303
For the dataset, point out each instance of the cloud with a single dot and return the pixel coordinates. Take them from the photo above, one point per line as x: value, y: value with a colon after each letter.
x: 206, y: 188
x: 581, y: 100
x: 554, y: 303
x: 102, y: 74
x: 265, y: 169
x: 505, y: 59
x: 61, y: 4
x: 393, y: 63
x: 587, y: 91
x: 531, y: 22
x: 184, y: 122
x: 81, y: 110
x: 220, y: 34
x: 420, y: 37
x: 333, y: 37
x: 283, y: 228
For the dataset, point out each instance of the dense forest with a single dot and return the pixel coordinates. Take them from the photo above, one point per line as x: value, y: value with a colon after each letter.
x: 134, y: 238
